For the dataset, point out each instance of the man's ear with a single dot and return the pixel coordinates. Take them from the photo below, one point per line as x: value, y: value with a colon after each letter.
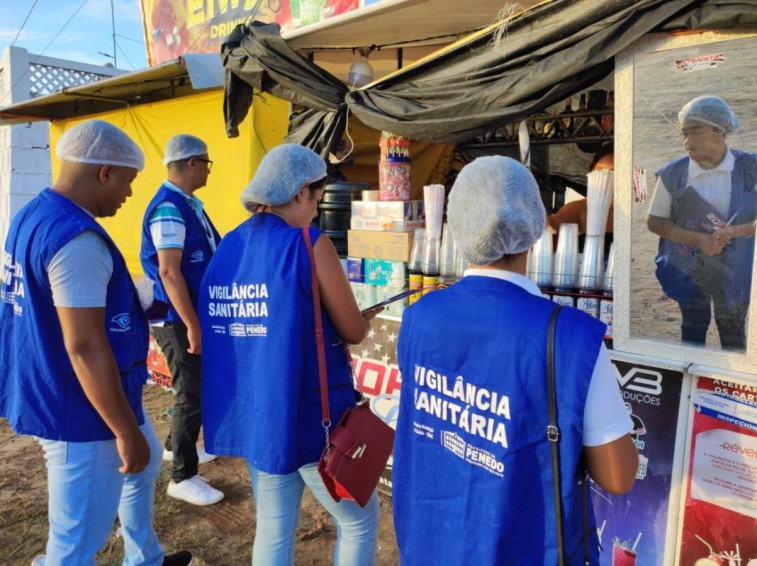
x: 104, y: 173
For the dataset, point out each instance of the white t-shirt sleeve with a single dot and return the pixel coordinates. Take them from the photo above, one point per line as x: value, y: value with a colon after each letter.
x: 605, y: 416
x: 80, y: 272
x: 662, y: 202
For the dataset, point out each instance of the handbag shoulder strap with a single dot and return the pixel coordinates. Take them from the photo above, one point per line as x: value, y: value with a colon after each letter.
x: 325, y: 413
x: 553, y: 434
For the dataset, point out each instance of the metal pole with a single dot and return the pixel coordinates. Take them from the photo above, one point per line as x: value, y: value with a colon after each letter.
x: 113, y: 28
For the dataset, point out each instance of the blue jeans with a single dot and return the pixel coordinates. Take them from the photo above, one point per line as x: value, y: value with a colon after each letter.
x: 277, y: 504
x: 86, y: 492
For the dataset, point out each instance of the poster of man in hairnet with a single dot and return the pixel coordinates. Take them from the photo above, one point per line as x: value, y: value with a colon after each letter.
x: 693, y: 238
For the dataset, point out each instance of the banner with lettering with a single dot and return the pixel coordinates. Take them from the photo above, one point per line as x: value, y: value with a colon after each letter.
x: 378, y: 376
x: 632, y: 527
x: 720, y: 513
x: 175, y: 27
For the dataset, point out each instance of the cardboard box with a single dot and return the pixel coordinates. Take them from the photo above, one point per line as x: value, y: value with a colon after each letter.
x: 355, y: 269
x: 384, y: 272
x: 379, y: 245
x: 386, y: 224
x: 365, y: 295
x: 392, y: 210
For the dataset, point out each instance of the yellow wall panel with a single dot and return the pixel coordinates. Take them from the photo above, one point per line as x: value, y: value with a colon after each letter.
x: 201, y: 115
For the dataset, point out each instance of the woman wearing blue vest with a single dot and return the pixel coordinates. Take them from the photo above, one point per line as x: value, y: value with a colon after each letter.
x: 260, y: 388
x: 472, y: 476
x: 707, y: 272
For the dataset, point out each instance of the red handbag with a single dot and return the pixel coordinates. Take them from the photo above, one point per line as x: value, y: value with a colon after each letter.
x: 360, y: 444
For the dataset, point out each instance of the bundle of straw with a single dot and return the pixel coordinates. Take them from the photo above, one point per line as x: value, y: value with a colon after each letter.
x: 599, y: 189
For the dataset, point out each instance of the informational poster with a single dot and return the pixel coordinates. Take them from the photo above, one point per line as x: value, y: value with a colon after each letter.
x: 632, y: 527
x: 378, y: 376
x: 720, y: 512
x: 175, y: 27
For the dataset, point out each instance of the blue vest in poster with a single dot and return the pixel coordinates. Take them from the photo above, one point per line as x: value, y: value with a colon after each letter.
x: 260, y: 388
x: 472, y: 474
x: 677, y: 272
x: 197, y: 250
x: 39, y: 392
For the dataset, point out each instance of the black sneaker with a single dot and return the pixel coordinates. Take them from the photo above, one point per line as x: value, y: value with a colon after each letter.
x: 181, y: 558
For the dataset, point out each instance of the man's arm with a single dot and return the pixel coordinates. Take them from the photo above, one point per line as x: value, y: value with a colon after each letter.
x: 613, y: 465
x: 725, y: 234
x: 169, y: 270
x: 96, y: 369
x: 666, y: 228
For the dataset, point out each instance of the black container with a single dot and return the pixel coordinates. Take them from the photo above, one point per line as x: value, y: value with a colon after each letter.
x: 335, y: 210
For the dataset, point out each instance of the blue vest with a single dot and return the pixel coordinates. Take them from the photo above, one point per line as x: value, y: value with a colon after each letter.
x: 677, y: 272
x: 197, y: 250
x: 260, y: 389
x: 472, y: 474
x: 39, y: 392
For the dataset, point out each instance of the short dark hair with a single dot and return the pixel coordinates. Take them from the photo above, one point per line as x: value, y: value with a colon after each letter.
x: 606, y: 148
x: 317, y: 185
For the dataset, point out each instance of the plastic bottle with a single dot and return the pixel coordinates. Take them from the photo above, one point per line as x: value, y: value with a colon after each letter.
x: 567, y: 123
x: 430, y: 264
x: 415, y: 265
x: 607, y: 119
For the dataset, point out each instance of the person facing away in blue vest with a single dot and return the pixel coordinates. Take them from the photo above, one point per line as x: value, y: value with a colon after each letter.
x: 73, y: 348
x: 178, y: 240
x: 260, y: 381
x: 707, y: 269
x: 472, y: 478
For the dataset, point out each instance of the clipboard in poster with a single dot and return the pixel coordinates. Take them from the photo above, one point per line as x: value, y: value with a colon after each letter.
x: 397, y: 297
x: 696, y: 214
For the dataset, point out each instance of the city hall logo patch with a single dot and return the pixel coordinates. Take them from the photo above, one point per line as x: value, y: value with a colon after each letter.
x: 122, y: 322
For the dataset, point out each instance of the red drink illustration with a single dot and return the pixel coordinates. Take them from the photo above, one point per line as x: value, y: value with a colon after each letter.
x: 622, y: 556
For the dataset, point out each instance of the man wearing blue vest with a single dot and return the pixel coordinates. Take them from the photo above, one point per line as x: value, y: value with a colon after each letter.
x: 73, y: 348
x: 707, y: 270
x: 472, y: 476
x: 178, y: 240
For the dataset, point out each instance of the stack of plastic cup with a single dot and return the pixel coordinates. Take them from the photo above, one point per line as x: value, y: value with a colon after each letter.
x: 566, y: 257
x: 590, y: 276
x: 607, y: 281
x: 541, y: 260
x: 447, y: 258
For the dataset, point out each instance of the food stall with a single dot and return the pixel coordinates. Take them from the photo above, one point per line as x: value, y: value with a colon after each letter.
x: 694, y: 407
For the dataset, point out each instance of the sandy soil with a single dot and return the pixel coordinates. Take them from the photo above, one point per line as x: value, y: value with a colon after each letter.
x: 219, y: 535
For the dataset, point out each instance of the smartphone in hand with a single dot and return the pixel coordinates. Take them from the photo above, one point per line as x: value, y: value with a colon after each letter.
x: 397, y: 297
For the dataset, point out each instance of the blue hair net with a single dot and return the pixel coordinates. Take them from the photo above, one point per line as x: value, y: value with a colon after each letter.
x: 183, y: 146
x: 282, y: 172
x: 99, y: 143
x: 494, y: 209
x: 710, y: 110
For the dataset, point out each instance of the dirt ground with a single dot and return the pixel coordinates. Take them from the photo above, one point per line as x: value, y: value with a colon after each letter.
x: 218, y: 535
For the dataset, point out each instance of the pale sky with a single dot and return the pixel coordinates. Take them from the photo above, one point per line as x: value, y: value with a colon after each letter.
x: 88, y: 32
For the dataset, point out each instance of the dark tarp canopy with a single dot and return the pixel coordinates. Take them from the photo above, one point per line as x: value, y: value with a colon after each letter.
x: 544, y: 55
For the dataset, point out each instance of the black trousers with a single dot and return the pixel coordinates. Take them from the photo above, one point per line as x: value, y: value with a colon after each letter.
x: 186, y: 416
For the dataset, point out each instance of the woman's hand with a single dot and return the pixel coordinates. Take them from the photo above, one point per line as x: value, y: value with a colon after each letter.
x: 369, y: 314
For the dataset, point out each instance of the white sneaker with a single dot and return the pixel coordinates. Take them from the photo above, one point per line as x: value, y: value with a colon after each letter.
x: 195, y: 490
x: 202, y: 456
x: 39, y: 560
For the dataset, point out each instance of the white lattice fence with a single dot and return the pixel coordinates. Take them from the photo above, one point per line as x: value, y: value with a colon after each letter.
x: 46, y: 79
